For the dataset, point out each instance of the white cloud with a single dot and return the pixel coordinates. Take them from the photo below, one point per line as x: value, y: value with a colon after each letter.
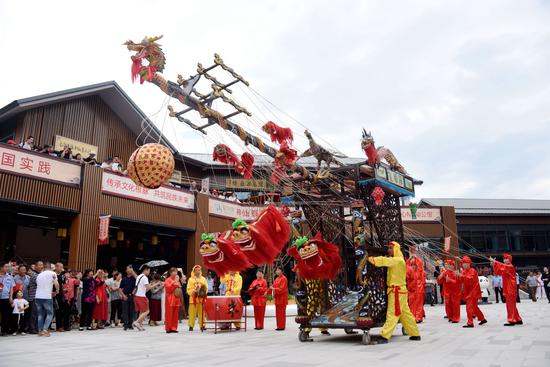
x: 458, y: 90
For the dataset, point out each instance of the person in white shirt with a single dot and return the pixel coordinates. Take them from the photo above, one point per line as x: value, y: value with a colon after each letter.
x: 141, y: 302
x: 19, y: 306
x: 28, y: 144
x: 45, y: 283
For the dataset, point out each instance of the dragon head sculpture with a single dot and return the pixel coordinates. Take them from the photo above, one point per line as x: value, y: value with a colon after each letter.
x: 148, y: 49
x: 315, y: 258
x: 366, y: 140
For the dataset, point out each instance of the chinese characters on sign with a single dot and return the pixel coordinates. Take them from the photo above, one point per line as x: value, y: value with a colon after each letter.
x: 75, y: 145
x: 231, y: 210
x: 119, y: 185
x: 24, y: 162
x: 241, y: 183
x: 103, y: 237
x: 422, y: 215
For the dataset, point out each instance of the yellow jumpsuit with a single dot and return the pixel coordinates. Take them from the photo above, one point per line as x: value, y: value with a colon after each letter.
x: 196, y: 302
x: 233, y: 287
x: 396, y: 282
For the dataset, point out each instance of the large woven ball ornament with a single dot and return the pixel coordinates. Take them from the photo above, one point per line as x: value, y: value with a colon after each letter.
x: 151, y: 165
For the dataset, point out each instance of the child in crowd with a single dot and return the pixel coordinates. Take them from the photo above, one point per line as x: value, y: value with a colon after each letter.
x: 19, y: 306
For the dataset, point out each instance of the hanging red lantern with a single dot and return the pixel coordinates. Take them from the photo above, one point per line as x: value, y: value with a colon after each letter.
x: 127, y: 243
x: 378, y: 195
x: 285, y: 211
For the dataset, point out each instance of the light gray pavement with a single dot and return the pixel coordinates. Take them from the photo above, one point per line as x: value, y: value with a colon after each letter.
x: 442, y: 344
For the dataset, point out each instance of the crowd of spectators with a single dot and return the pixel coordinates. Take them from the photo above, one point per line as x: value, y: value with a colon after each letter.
x: 45, y: 297
x: 113, y: 164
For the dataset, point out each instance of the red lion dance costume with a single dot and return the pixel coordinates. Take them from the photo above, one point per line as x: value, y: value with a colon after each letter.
x: 222, y: 153
x: 315, y: 258
x: 471, y: 291
x: 221, y: 254
x: 416, y: 286
x: 277, y: 133
x: 262, y: 240
x: 508, y: 273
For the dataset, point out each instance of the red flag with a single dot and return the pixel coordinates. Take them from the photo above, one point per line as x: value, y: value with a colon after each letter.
x: 447, y: 244
x: 103, y: 237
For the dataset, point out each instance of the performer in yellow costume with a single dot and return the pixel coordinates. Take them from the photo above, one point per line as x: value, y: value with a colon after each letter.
x: 197, y: 288
x: 398, y: 308
x: 233, y: 284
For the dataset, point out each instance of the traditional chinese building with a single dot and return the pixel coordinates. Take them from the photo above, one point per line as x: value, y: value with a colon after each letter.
x: 50, y: 207
x: 494, y: 226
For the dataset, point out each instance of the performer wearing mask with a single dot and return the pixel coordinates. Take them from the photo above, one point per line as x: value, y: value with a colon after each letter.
x: 279, y: 290
x: 172, y: 301
x: 472, y: 292
x: 509, y: 288
x: 258, y: 291
x: 398, y: 308
x: 451, y: 291
x: 197, y: 288
x: 234, y: 283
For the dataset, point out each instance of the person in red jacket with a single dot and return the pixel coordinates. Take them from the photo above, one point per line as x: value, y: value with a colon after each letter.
x: 412, y: 286
x: 451, y: 291
x: 471, y: 291
x: 416, y: 286
x: 172, y: 301
x: 509, y: 289
x: 258, y: 290
x: 280, y: 294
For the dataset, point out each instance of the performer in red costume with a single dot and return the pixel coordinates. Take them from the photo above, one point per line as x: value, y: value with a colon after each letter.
x: 280, y: 295
x: 411, y: 288
x: 471, y: 291
x: 172, y: 301
x: 508, y: 273
x: 451, y: 291
x: 416, y: 285
x: 258, y: 291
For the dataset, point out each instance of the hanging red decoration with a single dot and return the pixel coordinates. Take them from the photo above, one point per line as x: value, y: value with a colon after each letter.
x: 285, y: 211
x: 284, y: 160
x: 277, y: 133
x: 244, y: 166
x: 378, y: 195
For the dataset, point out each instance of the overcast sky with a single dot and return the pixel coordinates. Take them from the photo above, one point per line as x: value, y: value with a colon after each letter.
x: 459, y: 90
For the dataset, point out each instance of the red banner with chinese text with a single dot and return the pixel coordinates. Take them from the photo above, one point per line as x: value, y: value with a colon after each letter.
x: 447, y: 244
x: 103, y: 237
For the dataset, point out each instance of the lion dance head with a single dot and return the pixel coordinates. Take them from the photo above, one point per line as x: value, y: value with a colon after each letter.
x: 315, y: 258
x: 222, y: 255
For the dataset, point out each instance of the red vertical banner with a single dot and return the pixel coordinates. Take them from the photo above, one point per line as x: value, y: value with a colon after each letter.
x: 447, y: 244
x: 103, y: 237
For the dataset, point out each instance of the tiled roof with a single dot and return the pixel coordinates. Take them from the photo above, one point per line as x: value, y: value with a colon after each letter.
x: 492, y: 206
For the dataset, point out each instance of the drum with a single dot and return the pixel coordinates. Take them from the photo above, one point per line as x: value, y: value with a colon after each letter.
x: 224, y: 308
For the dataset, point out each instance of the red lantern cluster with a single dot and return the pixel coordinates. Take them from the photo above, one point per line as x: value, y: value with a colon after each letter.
x: 378, y: 195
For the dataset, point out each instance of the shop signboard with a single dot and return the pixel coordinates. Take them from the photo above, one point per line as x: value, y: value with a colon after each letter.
x: 176, y: 177
x: 42, y: 166
x: 119, y: 185
x: 241, y: 183
x: 228, y: 209
x: 75, y: 145
x: 422, y: 215
x: 403, y: 183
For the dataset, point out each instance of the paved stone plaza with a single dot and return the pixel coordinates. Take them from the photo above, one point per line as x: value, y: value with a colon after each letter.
x: 443, y: 344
